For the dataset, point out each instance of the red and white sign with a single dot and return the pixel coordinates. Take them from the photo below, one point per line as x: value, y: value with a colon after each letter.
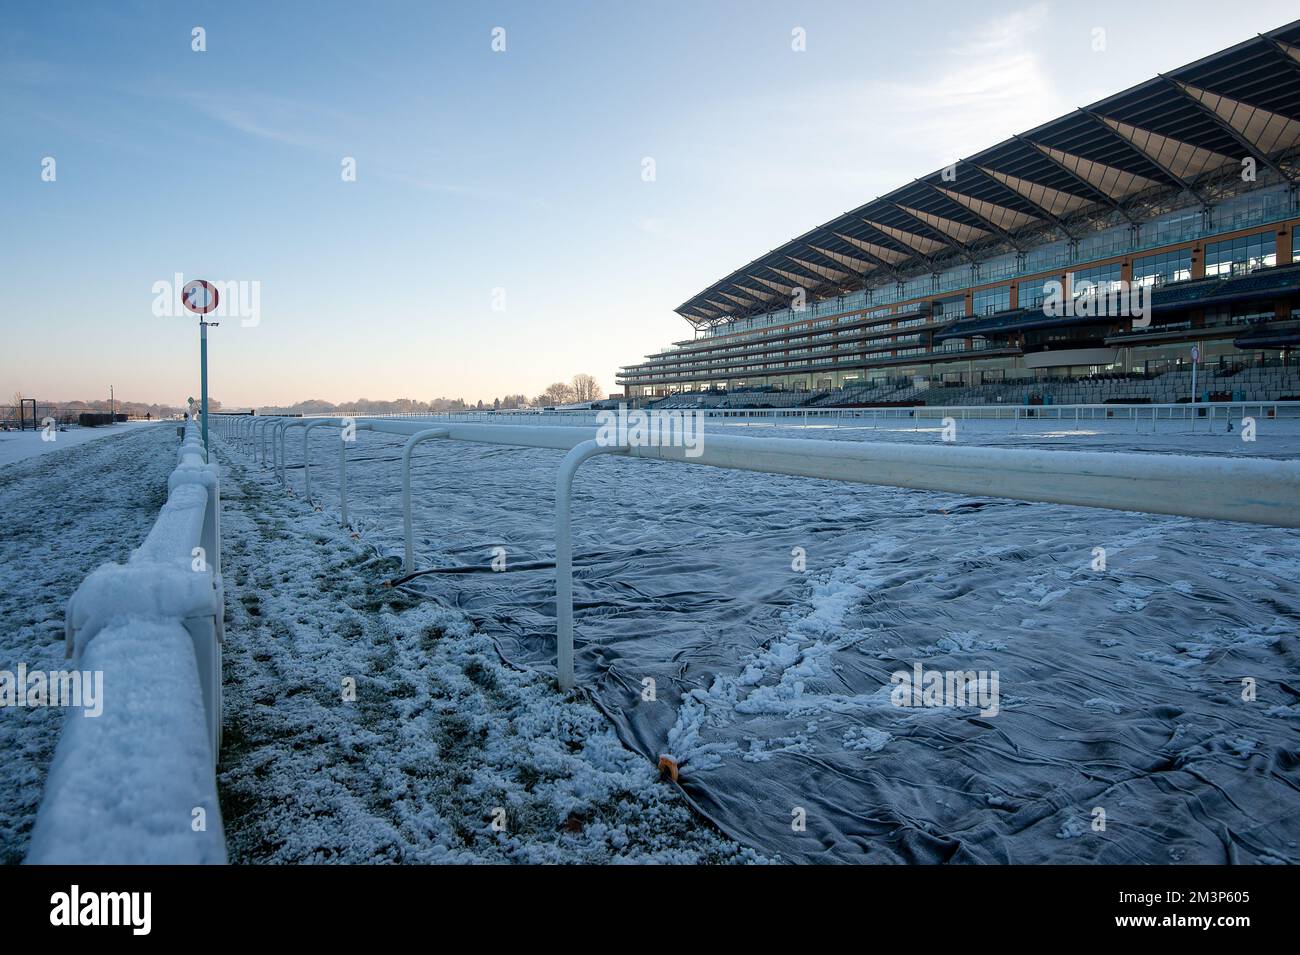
x: 200, y: 296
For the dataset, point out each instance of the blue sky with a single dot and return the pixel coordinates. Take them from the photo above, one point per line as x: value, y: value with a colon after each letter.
x: 477, y: 170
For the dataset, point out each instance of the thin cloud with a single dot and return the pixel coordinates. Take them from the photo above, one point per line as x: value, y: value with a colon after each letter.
x: 888, y: 130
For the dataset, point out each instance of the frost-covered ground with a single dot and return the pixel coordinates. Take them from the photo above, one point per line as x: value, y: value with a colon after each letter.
x: 62, y: 515
x: 17, y: 446
x: 1121, y: 690
x: 447, y: 754
x: 443, y: 739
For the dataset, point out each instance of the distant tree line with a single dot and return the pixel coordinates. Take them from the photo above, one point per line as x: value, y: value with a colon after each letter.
x: 583, y: 387
x: 136, y: 409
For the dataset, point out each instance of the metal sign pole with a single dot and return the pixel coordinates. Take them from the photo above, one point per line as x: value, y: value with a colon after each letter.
x: 190, y: 299
x: 203, y: 378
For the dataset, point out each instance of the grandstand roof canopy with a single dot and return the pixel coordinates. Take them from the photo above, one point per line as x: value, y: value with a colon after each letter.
x: 1170, y: 133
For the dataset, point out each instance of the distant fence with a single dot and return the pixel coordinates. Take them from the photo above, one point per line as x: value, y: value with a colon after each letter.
x: 137, y: 783
x: 1144, y: 417
x: 12, y: 416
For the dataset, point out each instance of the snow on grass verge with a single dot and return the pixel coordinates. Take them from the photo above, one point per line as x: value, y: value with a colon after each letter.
x: 445, y: 753
x: 62, y: 515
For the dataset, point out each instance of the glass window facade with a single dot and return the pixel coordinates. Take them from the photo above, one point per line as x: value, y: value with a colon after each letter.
x: 1163, y: 268
x: 991, y: 300
x: 1242, y: 254
x: 1174, y: 227
x: 949, y: 308
x: 1001, y: 267
x: 1097, y: 279
x: 1032, y: 292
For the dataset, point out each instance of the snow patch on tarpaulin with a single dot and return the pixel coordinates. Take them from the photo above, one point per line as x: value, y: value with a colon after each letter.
x: 1170, y: 752
x: 683, y: 575
x: 775, y: 681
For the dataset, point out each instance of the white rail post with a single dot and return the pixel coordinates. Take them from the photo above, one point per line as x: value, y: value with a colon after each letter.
x: 306, y: 459
x: 343, y: 479
x: 266, y: 424
x: 409, y: 564
x: 343, y: 468
x: 564, y: 554
x: 284, y: 446
x: 280, y: 428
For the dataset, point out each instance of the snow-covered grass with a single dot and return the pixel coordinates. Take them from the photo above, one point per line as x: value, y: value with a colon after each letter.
x: 61, y: 516
x: 17, y: 446
x: 446, y: 754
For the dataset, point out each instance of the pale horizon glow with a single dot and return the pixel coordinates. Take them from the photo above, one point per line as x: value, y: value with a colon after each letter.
x: 477, y: 171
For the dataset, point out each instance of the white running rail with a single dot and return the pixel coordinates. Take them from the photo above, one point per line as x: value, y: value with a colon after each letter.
x: 1156, y: 417
x: 136, y: 784
x: 1252, y: 490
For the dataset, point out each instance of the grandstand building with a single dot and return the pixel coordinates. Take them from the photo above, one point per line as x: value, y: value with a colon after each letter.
x: 1186, y: 184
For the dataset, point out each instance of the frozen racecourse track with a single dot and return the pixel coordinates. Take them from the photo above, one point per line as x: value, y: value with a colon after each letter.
x: 1120, y: 689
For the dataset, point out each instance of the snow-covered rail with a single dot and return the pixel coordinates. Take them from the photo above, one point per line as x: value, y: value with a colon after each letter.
x: 136, y: 783
x: 1231, y: 489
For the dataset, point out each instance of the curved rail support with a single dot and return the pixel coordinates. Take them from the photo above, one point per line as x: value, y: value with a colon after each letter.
x: 409, y: 564
x: 564, y: 554
x: 277, y: 448
x: 266, y: 425
x: 306, y: 459
x: 284, y: 439
x: 262, y: 436
x: 343, y: 468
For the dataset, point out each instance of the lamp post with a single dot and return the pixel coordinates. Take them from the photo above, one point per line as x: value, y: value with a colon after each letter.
x: 1196, y: 358
x: 200, y: 297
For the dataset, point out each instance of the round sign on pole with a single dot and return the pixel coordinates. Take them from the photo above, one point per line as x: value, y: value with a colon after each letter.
x: 1196, y: 353
x: 200, y: 296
